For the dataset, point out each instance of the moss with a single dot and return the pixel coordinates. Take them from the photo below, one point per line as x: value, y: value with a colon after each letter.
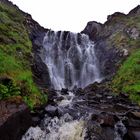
x: 135, y: 97
x: 127, y: 79
x: 15, y: 58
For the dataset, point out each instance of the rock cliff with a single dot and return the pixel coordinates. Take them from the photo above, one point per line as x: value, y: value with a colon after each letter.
x: 117, y: 47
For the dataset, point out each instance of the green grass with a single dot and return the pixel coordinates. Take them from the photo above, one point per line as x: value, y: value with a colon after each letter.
x: 15, y: 58
x: 127, y: 79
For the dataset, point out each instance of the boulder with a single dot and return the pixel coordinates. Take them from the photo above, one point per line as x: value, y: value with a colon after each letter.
x: 15, y: 119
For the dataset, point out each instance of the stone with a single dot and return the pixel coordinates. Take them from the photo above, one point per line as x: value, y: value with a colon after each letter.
x: 14, y: 120
x: 52, y: 110
x: 64, y: 91
x: 93, y: 29
x: 133, y: 134
x: 125, y: 52
x: 137, y: 114
x: 136, y: 135
x: 133, y: 33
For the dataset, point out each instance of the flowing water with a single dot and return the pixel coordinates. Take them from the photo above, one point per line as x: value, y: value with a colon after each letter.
x: 71, y: 60
x: 72, y: 63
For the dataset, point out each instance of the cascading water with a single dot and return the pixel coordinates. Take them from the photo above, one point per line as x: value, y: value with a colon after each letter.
x: 71, y: 60
x: 72, y: 63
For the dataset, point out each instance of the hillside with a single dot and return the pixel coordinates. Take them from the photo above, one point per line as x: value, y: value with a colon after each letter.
x: 118, y: 49
x: 16, y: 57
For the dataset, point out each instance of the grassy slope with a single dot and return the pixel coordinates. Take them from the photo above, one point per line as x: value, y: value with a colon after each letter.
x: 127, y: 79
x: 15, y: 57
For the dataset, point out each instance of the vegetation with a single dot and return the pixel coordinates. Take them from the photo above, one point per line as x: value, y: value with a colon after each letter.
x: 127, y: 79
x: 15, y: 57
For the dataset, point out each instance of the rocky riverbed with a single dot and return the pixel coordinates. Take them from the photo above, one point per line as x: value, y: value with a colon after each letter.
x: 90, y: 114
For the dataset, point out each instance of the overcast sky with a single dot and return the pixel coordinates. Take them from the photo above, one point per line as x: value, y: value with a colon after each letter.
x: 73, y: 15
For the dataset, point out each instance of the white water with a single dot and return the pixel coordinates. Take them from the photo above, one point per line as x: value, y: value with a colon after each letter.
x: 72, y: 63
x: 59, y: 130
x: 67, y: 99
x: 71, y: 60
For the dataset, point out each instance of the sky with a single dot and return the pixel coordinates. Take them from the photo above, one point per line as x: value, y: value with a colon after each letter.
x: 73, y: 15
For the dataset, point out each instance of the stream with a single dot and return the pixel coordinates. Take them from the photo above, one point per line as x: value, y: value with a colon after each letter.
x: 77, y: 110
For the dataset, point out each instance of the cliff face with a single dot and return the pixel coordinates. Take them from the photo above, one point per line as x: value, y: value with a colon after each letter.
x: 20, y: 42
x: 117, y: 43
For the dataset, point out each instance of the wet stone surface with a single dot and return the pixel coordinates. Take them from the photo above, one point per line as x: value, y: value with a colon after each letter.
x: 97, y: 115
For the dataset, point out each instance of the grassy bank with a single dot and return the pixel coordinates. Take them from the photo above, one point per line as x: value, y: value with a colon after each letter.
x: 15, y: 58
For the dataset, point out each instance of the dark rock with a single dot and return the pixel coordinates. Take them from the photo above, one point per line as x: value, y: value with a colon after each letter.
x: 110, y: 54
x: 104, y: 119
x: 132, y: 134
x: 60, y: 98
x: 108, y: 58
x: 39, y: 68
x: 136, y: 135
x: 96, y: 132
x: 135, y: 11
x: 134, y: 123
x: 133, y: 33
x: 64, y: 91
x: 52, y: 110
x: 40, y: 71
x: 93, y: 29
x: 36, y: 120
x: 15, y: 126
x: 114, y: 17
x: 136, y: 114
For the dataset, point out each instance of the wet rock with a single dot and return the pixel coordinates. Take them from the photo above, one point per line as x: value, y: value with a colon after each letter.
x: 120, y: 108
x: 109, y: 97
x: 36, y: 120
x: 39, y: 69
x: 136, y: 114
x: 133, y: 134
x: 41, y: 74
x: 96, y: 132
x: 52, y: 110
x: 134, y: 123
x: 15, y: 119
x: 64, y: 91
x: 60, y: 98
x: 99, y: 95
x: 105, y: 119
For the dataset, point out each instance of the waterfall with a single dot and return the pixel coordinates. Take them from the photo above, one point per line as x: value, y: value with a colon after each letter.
x: 72, y: 63
x: 71, y: 59
x: 77, y: 114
